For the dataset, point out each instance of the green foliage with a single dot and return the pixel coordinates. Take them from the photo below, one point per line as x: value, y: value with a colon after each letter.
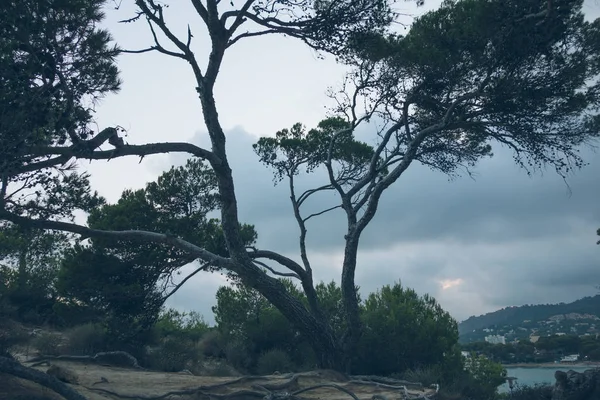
x: 254, y: 326
x: 537, y: 392
x: 87, y: 339
x: 293, y: 150
x: 129, y: 281
x: 484, y: 377
x: 274, y: 360
x: 482, y: 71
x: 29, y: 261
x: 404, y: 331
x: 187, y: 326
x: 324, y: 24
x: 53, y: 60
x: 330, y: 300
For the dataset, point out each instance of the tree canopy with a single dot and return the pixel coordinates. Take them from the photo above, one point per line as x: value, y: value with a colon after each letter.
x: 467, y: 76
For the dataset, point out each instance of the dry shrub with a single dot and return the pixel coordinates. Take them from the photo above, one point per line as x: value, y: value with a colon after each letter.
x: 11, y: 334
x: 218, y: 368
x: 87, y: 339
x: 175, y: 354
x: 212, y: 344
x: 48, y: 344
x: 274, y: 360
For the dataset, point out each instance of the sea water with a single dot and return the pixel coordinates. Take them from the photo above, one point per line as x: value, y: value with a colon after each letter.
x: 536, y: 375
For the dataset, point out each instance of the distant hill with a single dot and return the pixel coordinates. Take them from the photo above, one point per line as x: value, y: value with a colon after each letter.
x: 515, y: 316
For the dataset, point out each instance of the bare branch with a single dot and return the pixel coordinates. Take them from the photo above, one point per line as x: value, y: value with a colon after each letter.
x: 239, y: 16
x: 247, y: 35
x: 285, y: 274
x: 306, y: 194
x: 180, y: 284
x: 283, y: 260
x: 322, y: 212
x: 85, y: 150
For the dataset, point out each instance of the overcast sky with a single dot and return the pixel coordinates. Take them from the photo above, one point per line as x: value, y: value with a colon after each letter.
x: 476, y: 245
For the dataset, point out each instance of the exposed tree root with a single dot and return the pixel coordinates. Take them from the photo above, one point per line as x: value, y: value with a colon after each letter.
x: 383, y: 380
x: 267, y: 391
x: 100, y: 358
x: 279, y: 386
x: 331, y: 385
x: 185, y: 392
x: 14, y: 368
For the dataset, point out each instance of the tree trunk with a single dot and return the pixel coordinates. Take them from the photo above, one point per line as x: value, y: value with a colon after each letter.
x: 350, y: 301
x: 314, y: 328
x: 12, y: 367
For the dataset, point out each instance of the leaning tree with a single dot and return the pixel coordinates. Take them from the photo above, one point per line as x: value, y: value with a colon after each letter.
x: 521, y: 73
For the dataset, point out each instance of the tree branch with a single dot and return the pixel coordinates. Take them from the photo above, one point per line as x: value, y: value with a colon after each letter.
x: 283, y: 260
x: 306, y: 194
x: 128, y: 150
x: 285, y: 274
x: 12, y: 367
x: 322, y: 212
x: 180, y: 284
x: 132, y: 235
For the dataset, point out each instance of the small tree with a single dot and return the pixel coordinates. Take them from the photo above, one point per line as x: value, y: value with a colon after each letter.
x: 29, y: 260
x: 128, y: 283
x: 522, y: 73
x: 404, y: 331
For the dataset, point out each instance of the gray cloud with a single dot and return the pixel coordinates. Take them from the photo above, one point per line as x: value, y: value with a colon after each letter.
x: 476, y: 245
x: 503, y: 239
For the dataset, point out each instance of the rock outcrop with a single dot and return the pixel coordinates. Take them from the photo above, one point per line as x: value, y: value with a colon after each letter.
x: 572, y: 385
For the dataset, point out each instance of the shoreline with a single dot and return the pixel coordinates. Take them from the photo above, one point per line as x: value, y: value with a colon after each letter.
x: 554, y: 365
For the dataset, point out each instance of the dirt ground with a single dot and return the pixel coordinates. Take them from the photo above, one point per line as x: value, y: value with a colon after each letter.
x: 97, y: 382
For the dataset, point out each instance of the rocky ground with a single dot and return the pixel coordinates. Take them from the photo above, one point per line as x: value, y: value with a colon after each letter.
x: 101, y: 382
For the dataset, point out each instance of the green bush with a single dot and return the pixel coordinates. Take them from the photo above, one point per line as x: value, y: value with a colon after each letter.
x: 173, y: 355
x: 484, y: 377
x: 87, y: 339
x: 189, y: 326
x: 274, y: 360
x: 537, y: 392
x: 47, y: 343
x: 403, y: 331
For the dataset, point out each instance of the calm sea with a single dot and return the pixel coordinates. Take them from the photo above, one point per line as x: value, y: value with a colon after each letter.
x: 532, y: 376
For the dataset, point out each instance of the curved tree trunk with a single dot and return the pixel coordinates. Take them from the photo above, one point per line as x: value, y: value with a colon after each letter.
x: 350, y: 301
x: 314, y: 327
x: 14, y: 368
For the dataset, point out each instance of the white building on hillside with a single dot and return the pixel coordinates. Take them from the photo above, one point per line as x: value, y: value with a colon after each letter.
x: 495, y: 339
x: 570, y: 358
